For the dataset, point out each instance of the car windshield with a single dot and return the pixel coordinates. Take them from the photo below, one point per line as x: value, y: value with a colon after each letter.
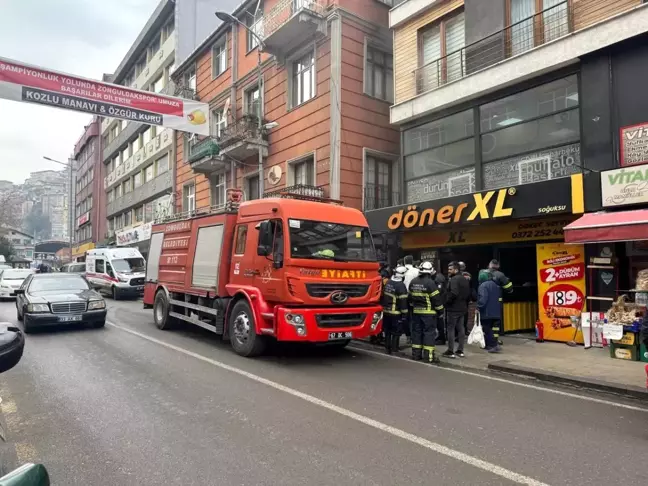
x: 320, y: 240
x: 15, y: 274
x: 129, y: 265
x: 62, y: 283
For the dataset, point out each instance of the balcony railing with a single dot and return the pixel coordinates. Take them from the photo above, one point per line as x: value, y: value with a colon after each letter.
x: 378, y: 197
x: 304, y: 190
x: 541, y: 28
x: 291, y: 23
x: 185, y: 92
x: 206, y: 148
x: 281, y: 13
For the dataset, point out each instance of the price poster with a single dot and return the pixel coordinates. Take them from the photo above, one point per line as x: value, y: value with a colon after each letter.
x: 561, y: 288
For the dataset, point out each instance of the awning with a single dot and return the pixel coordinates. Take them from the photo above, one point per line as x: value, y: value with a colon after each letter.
x: 608, y: 227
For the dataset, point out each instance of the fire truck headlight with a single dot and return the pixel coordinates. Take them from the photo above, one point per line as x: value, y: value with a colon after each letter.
x: 297, y: 321
x: 376, y: 320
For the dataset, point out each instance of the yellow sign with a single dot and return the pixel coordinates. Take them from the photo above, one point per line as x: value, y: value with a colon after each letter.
x: 334, y: 273
x: 561, y: 289
x: 81, y: 249
x: 524, y: 230
x: 628, y: 338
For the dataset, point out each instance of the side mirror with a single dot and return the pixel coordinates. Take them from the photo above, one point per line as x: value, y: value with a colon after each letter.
x: 19, y: 291
x: 263, y: 250
x: 27, y: 475
x: 12, y: 343
x: 265, y: 238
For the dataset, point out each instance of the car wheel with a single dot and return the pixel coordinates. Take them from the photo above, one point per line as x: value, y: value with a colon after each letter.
x: 242, y: 331
x: 115, y: 293
x: 161, y: 309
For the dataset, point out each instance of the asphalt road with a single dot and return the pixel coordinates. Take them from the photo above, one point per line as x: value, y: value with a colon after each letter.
x: 132, y: 405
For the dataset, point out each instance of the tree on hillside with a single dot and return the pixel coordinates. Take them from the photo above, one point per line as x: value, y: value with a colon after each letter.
x: 10, y: 202
x: 6, y: 249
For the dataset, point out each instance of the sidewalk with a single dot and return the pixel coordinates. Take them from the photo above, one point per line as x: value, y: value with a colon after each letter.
x: 555, y: 362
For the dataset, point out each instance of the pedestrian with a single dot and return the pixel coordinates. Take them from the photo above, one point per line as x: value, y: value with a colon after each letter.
x: 426, y: 301
x: 410, y: 274
x: 490, y: 310
x: 473, y: 296
x: 456, y: 306
x: 395, y: 309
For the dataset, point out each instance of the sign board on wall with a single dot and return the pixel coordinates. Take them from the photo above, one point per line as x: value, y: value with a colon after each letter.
x: 621, y: 187
x: 84, y: 218
x: 134, y: 235
x: 561, y: 289
x: 634, y: 144
x: 22, y: 82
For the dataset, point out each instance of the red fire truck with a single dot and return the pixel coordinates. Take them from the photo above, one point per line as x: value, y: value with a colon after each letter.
x: 289, y: 268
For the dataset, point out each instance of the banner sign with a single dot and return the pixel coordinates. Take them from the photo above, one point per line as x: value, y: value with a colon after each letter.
x: 22, y: 82
x: 134, y: 235
x: 634, y: 144
x: 561, y: 289
x: 509, y: 232
x: 621, y: 187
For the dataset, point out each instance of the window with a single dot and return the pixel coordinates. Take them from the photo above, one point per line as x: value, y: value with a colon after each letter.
x: 139, y: 214
x: 253, y: 187
x: 189, y: 197
x: 379, y: 74
x: 529, y: 29
x: 379, y: 187
x: 132, y: 148
x: 111, y: 198
x: 114, y: 131
x: 255, y: 24
x: 167, y: 30
x: 140, y: 65
x: 162, y: 164
x: 148, y: 173
x: 127, y: 218
x: 219, y: 122
x: 137, y: 180
x: 303, y: 79
x: 154, y: 46
x: 158, y: 85
x: 99, y: 266
x: 117, y: 161
x: 147, y: 135
x: 190, y: 78
x: 241, y: 237
x: 217, y: 189
x: 303, y: 171
x: 124, y: 155
x: 252, y: 102
x: 118, y: 192
x: 111, y: 224
x: 149, y: 213
x: 127, y: 186
x: 219, y: 58
x: 441, y: 57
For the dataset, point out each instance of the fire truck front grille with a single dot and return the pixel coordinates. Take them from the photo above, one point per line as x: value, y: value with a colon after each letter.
x: 325, y: 289
x: 339, y: 320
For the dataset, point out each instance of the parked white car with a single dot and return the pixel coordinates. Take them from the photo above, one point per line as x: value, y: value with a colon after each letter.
x: 10, y: 280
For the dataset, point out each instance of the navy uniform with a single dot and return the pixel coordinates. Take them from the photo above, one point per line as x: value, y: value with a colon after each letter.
x: 505, y: 284
x: 395, y: 310
x: 426, y: 301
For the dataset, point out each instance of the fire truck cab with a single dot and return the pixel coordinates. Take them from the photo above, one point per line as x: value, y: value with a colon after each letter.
x: 281, y: 268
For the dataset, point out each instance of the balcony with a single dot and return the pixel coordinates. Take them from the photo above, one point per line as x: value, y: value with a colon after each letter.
x: 302, y: 190
x: 544, y: 42
x: 185, y: 92
x: 378, y: 197
x: 155, y: 187
x: 291, y: 24
x: 241, y: 139
x: 204, y: 156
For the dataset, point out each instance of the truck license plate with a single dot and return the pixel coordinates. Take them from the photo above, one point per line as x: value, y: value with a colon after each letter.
x: 333, y: 336
x: 69, y: 318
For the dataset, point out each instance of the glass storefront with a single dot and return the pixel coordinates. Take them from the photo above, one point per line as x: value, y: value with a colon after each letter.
x: 527, y: 137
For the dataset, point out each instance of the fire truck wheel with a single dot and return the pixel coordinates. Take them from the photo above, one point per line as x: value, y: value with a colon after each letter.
x: 161, y: 311
x: 243, y: 336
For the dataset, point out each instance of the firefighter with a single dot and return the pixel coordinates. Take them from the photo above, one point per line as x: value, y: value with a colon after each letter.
x: 426, y: 301
x: 507, y: 287
x: 395, y: 310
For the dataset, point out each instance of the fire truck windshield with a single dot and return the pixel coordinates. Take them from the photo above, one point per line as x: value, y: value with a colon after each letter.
x: 320, y: 240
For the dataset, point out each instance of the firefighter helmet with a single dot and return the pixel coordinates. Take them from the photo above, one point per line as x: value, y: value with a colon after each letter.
x: 426, y: 267
x: 399, y: 273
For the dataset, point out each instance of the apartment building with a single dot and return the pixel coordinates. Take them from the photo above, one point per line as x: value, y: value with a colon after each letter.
x: 137, y: 157
x: 508, y: 111
x: 88, y: 220
x: 322, y: 92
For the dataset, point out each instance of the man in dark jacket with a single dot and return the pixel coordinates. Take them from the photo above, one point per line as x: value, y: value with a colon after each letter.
x: 395, y: 309
x: 457, y: 298
x: 490, y: 310
x: 425, y: 299
x: 499, y: 277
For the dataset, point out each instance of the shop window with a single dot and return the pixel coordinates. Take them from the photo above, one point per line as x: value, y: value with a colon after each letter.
x: 241, y: 237
x: 217, y: 189
x: 439, y: 132
x: 379, y: 74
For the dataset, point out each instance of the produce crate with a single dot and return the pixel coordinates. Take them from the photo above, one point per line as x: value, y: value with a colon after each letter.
x: 629, y: 339
x: 643, y: 353
x: 624, y: 351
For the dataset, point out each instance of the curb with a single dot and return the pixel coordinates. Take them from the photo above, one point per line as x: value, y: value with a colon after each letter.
x: 554, y: 377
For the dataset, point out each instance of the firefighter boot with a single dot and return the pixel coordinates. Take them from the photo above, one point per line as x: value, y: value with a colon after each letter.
x: 417, y: 352
x: 388, y: 342
x: 395, y: 344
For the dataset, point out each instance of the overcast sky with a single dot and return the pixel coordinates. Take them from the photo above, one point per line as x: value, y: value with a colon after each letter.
x: 82, y: 37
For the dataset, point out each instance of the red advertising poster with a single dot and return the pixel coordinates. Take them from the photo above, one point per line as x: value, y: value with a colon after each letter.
x: 22, y: 82
x: 561, y: 289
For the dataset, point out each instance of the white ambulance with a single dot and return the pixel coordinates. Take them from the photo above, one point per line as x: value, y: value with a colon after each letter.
x: 117, y: 271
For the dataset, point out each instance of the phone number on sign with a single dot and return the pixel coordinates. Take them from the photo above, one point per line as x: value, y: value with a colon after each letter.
x: 543, y: 233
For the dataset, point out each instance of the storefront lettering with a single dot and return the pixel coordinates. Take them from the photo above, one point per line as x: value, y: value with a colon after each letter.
x: 625, y: 186
x: 481, y: 209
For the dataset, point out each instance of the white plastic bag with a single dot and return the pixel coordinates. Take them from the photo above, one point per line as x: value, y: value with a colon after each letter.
x: 477, y: 334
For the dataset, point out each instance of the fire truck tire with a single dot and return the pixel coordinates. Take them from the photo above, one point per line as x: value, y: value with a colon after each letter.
x: 161, y: 311
x: 245, y: 341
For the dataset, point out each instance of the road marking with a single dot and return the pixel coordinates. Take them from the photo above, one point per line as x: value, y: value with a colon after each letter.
x: 433, y: 446
x: 504, y: 380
